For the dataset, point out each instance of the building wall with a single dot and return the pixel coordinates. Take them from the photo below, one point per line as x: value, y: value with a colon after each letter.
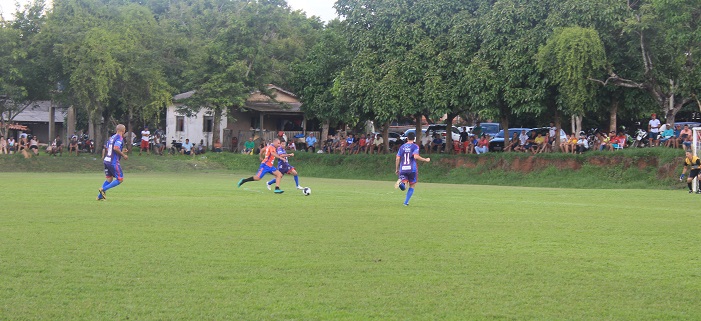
x: 192, y: 129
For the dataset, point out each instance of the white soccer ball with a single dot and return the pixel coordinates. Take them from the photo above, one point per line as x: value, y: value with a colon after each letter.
x: 307, y: 191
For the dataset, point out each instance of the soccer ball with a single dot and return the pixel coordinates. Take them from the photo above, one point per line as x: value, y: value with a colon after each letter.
x: 307, y: 191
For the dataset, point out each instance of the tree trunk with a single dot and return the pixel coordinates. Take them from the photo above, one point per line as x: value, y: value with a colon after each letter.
x: 577, y: 125
x: 385, y: 136
x: 130, y: 129
x: 70, y: 126
x: 613, y: 114
x: 324, y: 131
x: 99, y: 129
x: 558, y: 127
x: 91, y: 125
x: 216, y: 126
x: 418, y: 117
x: 504, y: 120
x: 449, y: 133
x: 52, y: 123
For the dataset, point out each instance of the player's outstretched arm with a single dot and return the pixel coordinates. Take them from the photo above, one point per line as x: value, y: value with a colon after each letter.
x: 423, y: 159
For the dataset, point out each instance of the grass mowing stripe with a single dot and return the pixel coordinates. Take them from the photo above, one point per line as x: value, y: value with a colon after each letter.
x: 193, y: 246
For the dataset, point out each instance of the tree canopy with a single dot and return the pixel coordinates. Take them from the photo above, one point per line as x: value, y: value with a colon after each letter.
x: 514, y: 61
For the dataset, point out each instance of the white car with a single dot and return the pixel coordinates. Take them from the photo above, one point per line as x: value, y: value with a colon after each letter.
x: 440, y: 129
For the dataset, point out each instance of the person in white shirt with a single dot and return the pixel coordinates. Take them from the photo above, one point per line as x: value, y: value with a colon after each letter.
x: 145, y: 134
x: 378, y: 143
x: 653, y: 127
x: 582, y: 144
x: 426, y: 142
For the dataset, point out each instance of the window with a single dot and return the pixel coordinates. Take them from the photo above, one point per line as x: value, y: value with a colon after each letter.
x: 179, y: 123
x: 208, y: 124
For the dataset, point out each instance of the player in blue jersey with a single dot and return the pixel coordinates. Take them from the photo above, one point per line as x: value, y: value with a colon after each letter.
x: 111, y: 161
x: 405, y: 166
x: 283, y: 165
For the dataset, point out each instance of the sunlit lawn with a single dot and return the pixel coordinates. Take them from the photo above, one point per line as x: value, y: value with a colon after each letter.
x: 194, y: 247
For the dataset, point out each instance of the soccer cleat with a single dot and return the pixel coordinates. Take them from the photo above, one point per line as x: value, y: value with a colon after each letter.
x: 402, y: 187
x: 399, y: 181
x: 406, y: 204
x: 691, y: 192
x: 240, y: 183
x: 268, y: 186
x: 279, y: 191
x: 300, y: 187
x: 102, y: 193
x: 698, y: 192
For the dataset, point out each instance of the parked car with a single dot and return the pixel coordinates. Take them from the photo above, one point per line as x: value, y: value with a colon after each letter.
x: 412, y: 130
x: 545, y: 131
x: 441, y: 129
x: 490, y: 129
x: 394, y: 138
x: 496, y: 144
x: 691, y: 124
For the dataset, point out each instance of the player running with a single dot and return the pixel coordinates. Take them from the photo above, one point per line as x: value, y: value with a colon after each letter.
x: 695, y: 163
x: 283, y: 165
x: 111, y: 161
x: 405, y: 166
x: 267, y: 157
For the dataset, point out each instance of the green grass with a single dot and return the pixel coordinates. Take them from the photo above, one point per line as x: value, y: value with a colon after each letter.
x: 623, y: 169
x: 192, y: 246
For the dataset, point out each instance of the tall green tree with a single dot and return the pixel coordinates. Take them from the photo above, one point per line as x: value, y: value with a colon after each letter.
x: 569, y: 59
x: 255, y: 48
x: 313, y: 78
x: 666, y: 35
x: 21, y: 71
x: 510, y: 33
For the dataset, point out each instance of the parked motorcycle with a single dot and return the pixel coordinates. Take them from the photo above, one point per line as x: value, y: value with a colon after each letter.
x: 641, y: 138
x: 85, y: 144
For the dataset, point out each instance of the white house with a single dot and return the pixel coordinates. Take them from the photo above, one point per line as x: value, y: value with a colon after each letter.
x: 261, y: 117
x: 196, y: 128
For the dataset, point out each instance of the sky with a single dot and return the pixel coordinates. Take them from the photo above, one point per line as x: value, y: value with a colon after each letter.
x: 321, y: 8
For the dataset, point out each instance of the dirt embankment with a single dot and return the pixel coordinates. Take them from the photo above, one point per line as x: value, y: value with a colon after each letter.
x: 534, y: 163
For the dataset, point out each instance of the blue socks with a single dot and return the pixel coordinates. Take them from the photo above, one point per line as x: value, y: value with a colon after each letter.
x: 272, y: 181
x: 111, y: 185
x: 408, y: 195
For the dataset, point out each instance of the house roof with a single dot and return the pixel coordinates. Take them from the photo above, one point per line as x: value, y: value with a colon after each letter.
x: 279, y: 108
x: 287, y: 103
x: 184, y: 95
x: 39, y: 113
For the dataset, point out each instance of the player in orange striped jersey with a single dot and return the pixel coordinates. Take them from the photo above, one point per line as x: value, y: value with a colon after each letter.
x: 267, y: 158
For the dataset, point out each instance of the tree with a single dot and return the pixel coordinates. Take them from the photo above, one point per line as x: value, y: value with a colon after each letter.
x: 255, y: 48
x: 20, y: 69
x: 667, y: 36
x: 510, y: 33
x: 314, y: 78
x: 570, y: 58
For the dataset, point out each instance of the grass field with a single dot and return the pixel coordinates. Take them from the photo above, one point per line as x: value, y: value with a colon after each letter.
x: 192, y: 246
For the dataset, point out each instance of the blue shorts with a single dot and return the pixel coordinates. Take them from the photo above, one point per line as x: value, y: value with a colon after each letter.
x: 265, y: 169
x: 409, y: 177
x: 114, y: 170
x: 285, y: 167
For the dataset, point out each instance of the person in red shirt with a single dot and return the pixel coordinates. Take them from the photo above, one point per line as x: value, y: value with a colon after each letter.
x: 362, y: 142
